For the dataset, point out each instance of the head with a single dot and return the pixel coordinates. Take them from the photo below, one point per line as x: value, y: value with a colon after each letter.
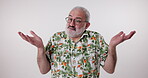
x: 77, y: 22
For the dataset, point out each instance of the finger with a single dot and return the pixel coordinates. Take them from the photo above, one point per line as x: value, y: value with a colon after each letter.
x: 29, y: 39
x: 120, y: 33
x: 33, y: 34
x: 20, y: 33
x: 22, y: 36
x: 123, y: 36
x: 130, y: 35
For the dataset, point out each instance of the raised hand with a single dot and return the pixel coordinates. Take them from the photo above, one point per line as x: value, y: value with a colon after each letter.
x: 35, y: 40
x: 120, y: 37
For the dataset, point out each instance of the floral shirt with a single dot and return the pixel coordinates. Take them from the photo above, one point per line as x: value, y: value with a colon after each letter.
x: 80, y: 59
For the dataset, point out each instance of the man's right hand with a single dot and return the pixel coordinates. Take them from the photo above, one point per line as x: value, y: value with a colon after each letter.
x: 42, y: 61
x: 35, y: 40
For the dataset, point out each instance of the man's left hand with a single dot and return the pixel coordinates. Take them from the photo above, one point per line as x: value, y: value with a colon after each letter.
x: 120, y: 37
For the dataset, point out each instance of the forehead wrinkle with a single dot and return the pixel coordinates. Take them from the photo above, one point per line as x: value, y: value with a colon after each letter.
x: 76, y: 17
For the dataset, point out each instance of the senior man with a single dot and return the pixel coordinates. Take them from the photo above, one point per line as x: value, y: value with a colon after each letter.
x: 77, y: 52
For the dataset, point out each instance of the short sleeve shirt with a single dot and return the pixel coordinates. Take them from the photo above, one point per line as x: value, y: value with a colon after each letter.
x: 80, y: 59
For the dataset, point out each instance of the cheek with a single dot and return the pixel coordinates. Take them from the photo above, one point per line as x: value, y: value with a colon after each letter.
x: 81, y: 26
x: 67, y: 24
x: 78, y: 27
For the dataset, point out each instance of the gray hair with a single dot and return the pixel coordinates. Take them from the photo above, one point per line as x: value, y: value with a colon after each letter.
x: 87, y: 14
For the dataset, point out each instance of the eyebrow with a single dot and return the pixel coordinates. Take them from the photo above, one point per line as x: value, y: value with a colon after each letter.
x: 76, y: 17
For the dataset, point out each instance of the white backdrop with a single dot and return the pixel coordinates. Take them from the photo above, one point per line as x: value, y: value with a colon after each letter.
x: 45, y: 17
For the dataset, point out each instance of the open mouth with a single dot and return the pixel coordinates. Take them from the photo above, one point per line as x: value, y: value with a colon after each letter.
x: 72, y: 28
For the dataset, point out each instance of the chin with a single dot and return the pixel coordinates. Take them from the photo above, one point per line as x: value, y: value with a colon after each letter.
x: 73, y: 34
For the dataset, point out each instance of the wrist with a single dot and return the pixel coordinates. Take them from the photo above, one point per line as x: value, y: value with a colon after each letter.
x: 41, y: 50
x: 112, y: 48
x: 40, y: 46
x: 112, y: 45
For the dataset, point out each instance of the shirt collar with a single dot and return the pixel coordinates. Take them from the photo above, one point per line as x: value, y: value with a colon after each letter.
x: 85, y: 33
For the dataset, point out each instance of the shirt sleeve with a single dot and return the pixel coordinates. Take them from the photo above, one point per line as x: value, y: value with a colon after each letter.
x: 48, y: 49
x: 103, y: 50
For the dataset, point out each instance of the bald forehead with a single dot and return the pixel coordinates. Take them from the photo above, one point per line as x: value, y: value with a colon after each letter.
x: 78, y: 13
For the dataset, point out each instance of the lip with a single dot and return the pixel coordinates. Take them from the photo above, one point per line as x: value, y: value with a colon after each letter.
x: 72, y: 28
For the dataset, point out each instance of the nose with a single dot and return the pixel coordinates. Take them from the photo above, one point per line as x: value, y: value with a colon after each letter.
x: 72, y: 23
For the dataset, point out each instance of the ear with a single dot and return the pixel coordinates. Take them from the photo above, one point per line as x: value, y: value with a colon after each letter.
x: 87, y: 25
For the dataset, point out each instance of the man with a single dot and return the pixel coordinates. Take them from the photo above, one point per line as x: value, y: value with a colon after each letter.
x: 76, y: 52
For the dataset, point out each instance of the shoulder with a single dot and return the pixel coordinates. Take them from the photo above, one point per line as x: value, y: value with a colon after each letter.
x: 58, y: 35
x: 92, y: 33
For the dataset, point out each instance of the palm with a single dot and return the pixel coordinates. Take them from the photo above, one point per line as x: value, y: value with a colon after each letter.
x: 117, y: 39
x: 35, y: 40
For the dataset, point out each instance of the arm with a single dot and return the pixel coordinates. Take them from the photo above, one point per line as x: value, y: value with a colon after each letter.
x: 111, y: 59
x: 42, y: 61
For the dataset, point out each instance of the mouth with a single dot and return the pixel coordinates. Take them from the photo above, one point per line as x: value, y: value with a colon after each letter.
x: 72, y: 28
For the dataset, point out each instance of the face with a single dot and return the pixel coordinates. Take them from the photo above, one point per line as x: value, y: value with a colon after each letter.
x: 76, y: 24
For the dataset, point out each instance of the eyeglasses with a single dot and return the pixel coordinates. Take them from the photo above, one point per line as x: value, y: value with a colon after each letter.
x: 77, y: 21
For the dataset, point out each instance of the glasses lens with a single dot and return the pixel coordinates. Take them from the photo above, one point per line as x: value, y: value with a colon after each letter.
x: 68, y: 19
x: 76, y: 21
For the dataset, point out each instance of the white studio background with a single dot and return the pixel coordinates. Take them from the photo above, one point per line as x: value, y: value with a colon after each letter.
x: 45, y: 17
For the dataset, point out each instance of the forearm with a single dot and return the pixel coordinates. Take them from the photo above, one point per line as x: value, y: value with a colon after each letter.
x: 111, y: 59
x: 42, y: 61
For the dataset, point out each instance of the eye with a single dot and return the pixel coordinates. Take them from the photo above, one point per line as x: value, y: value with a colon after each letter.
x: 69, y: 19
x: 78, y: 21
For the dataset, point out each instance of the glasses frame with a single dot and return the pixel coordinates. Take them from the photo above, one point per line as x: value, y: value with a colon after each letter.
x: 74, y: 21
